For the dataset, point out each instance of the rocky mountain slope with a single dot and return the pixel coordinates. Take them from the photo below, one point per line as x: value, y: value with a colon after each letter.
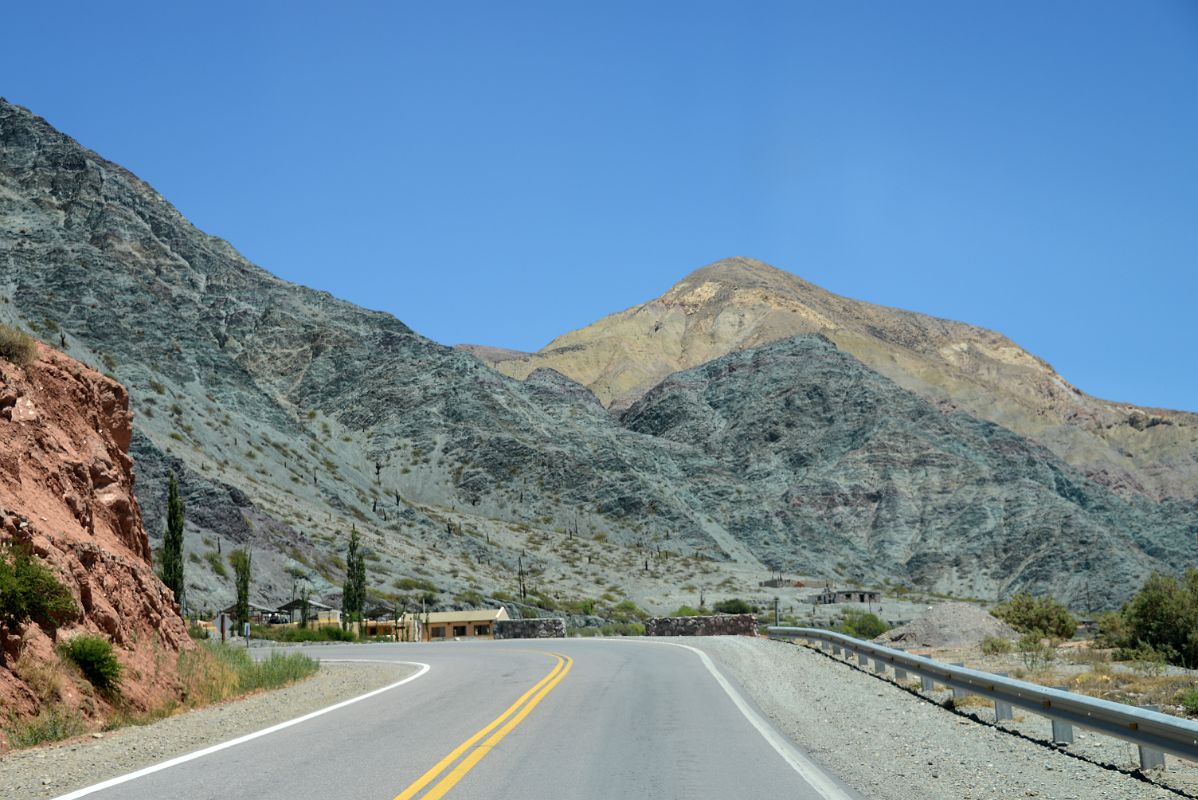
x: 840, y: 463
x: 66, y: 495
x: 740, y: 303
x: 292, y: 417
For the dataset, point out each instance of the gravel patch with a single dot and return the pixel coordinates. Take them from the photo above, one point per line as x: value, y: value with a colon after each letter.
x: 891, y: 745
x: 949, y: 625
x: 49, y: 771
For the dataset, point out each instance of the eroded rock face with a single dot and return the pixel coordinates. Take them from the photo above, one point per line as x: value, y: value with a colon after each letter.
x: 66, y: 494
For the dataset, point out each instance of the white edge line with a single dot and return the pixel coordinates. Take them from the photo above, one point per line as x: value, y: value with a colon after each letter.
x: 183, y: 759
x: 815, y: 777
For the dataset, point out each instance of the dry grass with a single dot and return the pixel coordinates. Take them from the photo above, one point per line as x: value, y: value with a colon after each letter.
x: 44, y: 679
x: 968, y: 701
x: 205, y: 678
x: 16, y: 346
x: 1132, y: 687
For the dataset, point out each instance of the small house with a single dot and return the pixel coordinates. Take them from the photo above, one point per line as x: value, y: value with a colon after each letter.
x: 846, y: 596
x: 441, y: 625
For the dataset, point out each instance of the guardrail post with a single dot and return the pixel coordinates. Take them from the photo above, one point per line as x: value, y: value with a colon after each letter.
x: 1062, y: 732
x: 1149, y: 758
x: 879, y: 665
x: 862, y: 659
x: 958, y: 692
x: 836, y: 650
x: 900, y: 675
x: 926, y: 683
x: 1002, y: 709
x: 827, y: 646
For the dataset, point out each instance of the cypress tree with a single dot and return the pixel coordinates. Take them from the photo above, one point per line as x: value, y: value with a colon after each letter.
x: 241, y: 560
x: 172, y: 542
x: 353, y: 594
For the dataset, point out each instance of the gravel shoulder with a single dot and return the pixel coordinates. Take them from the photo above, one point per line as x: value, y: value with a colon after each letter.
x: 52, y: 770
x: 890, y: 745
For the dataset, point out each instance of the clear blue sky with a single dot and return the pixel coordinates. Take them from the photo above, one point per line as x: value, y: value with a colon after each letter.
x: 504, y: 172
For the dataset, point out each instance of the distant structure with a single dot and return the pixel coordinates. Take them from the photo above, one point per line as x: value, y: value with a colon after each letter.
x: 846, y: 596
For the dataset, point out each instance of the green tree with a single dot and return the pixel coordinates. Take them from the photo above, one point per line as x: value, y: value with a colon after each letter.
x: 172, y: 542
x: 241, y: 560
x: 353, y: 595
x: 30, y: 591
x: 1163, y: 616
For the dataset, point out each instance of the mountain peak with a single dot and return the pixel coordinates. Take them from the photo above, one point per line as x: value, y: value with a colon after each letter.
x: 739, y: 272
x: 718, y: 282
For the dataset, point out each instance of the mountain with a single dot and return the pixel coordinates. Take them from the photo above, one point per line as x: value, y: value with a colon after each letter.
x: 739, y: 303
x: 847, y: 466
x: 292, y: 417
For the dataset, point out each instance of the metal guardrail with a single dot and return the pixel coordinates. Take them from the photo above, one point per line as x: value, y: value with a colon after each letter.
x: 1154, y: 733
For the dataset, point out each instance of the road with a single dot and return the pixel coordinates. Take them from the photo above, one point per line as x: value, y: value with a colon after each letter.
x: 536, y: 719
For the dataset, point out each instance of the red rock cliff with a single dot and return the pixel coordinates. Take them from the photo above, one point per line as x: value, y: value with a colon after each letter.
x: 66, y: 492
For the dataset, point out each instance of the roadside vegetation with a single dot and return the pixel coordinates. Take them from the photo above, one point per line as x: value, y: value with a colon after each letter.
x: 1159, y: 624
x: 861, y: 624
x: 30, y: 591
x: 213, y: 672
x: 1044, y: 615
x: 313, y: 633
x: 1143, y: 654
x: 94, y: 657
x: 16, y: 346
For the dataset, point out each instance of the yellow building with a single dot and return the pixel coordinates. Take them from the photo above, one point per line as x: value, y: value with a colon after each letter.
x: 441, y: 625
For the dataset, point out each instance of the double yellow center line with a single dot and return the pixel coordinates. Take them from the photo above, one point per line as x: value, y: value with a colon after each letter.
x: 505, y: 723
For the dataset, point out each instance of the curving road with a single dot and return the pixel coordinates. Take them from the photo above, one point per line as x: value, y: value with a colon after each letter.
x: 553, y: 719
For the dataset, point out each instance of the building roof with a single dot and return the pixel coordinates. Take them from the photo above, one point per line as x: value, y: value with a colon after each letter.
x: 471, y: 615
x: 296, y: 605
x: 254, y: 608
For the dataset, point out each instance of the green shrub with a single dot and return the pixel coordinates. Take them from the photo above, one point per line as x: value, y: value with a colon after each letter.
x: 1045, y: 614
x: 408, y: 584
x: 734, y: 606
x: 1112, y: 630
x: 17, y: 347
x: 996, y: 646
x: 216, y: 563
x: 1189, y: 701
x: 94, y: 657
x: 862, y: 624
x: 470, y: 598
x: 197, y: 631
x: 626, y: 612
x: 30, y: 591
x: 1035, y: 651
x: 688, y: 611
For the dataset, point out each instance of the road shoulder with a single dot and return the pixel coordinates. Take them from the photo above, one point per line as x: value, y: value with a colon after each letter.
x: 50, y: 771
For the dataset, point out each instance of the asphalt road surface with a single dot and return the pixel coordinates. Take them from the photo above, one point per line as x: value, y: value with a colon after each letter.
x: 547, y: 719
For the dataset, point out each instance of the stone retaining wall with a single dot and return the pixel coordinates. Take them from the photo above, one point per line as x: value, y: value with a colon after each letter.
x: 530, y: 628
x: 716, y: 625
